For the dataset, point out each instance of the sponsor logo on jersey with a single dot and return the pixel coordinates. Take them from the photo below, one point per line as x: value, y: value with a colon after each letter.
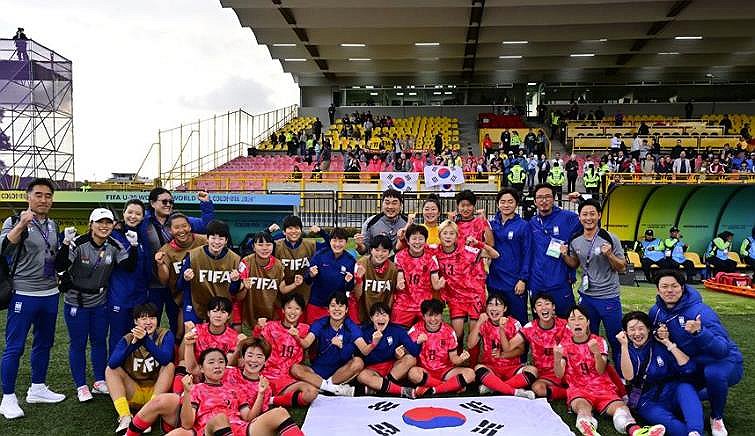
x: 145, y: 366
x: 264, y: 284
x: 377, y: 286
x: 212, y: 276
x: 296, y: 264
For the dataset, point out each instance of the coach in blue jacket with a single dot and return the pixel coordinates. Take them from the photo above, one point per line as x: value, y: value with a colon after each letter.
x: 550, y: 228
x: 696, y: 329
x: 510, y: 272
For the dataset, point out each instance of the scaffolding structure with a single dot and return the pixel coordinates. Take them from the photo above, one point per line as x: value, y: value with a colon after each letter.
x: 36, y: 114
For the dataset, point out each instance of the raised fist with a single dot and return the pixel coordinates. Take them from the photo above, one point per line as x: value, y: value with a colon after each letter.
x: 189, y: 274
x: 359, y: 239
x: 483, y: 317
x: 421, y: 338
x: 273, y: 228
x: 69, y: 234
x: 315, y: 229
x: 337, y: 341
x: 313, y: 270
x: 25, y: 217
x: 605, y: 249
x: 293, y: 331
x: 377, y: 336
x: 464, y: 355
x: 235, y: 275
x: 592, y: 344
x: 360, y: 271
x: 622, y: 338
x: 132, y: 238
x: 159, y: 257
x: 203, y: 196
x: 261, y: 322
x: 348, y: 277
x: 263, y: 385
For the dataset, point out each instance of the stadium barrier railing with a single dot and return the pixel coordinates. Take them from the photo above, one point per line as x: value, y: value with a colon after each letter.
x: 681, y: 179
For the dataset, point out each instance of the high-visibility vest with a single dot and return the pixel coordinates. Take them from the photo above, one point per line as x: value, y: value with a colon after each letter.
x: 556, y: 177
x: 591, y: 179
x: 718, y: 248
x: 517, y: 175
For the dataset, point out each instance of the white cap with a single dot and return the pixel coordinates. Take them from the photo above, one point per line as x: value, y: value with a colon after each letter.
x: 101, y: 213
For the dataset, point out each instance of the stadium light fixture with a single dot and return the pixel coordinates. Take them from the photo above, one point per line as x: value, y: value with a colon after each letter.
x: 356, y: 87
x: 399, y: 93
x: 353, y: 45
x: 582, y: 55
x: 373, y: 93
x: 359, y: 59
x: 515, y: 42
x: 437, y: 93
x: 284, y: 45
x: 428, y: 59
x: 294, y: 60
x: 531, y: 83
x: 688, y: 37
x: 426, y: 44
x: 510, y: 57
x: 412, y: 93
x: 668, y: 53
x: 448, y: 93
x: 369, y: 86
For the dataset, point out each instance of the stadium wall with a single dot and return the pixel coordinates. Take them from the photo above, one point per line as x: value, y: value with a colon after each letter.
x: 670, y: 109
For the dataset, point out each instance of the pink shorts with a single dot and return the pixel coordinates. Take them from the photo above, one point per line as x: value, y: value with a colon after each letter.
x: 405, y: 318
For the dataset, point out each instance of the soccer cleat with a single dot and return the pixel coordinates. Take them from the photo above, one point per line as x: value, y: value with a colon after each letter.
x: 655, y: 430
x: 9, y: 408
x: 423, y: 391
x: 84, y: 394
x: 100, y: 387
x: 123, y: 423
x: 484, y: 390
x: 43, y: 394
x: 343, y: 390
x: 524, y: 393
x: 368, y: 391
x: 717, y: 427
x: 407, y: 392
x: 586, y: 427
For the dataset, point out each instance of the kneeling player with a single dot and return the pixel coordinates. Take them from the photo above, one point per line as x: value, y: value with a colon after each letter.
x: 388, y: 353
x: 581, y: 359
x: 438, y: 371
x: 217, y: 408
x: 500, y: 371
x: 141, y: 365
x: 542, y: 334
x: 335, y: 363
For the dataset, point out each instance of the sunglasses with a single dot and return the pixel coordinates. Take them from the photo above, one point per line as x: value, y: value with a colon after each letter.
x: 167, y: 202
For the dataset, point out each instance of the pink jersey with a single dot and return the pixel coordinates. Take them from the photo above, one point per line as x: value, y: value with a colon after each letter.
x: 286, y: 351
x: 465, y: 278
x: 225, y: 341
x: 434, y: 353
x: 580, y: 366
x: 418, y: 286
x: 491, y: 340
x: 210, y: 400
x: 246, y: 388
x: 542, y: 342
x: 475, y: 227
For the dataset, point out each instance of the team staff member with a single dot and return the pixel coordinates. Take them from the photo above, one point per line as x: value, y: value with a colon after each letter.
x: 32, y: 240
x: 86, y: 264
x: 332, y: 271
x: 128, y: 288
x: 550, y: 228
x: 601, y: 257
x: 388, y: 222
x: 509, y: 273
x: 696, y: 329
x: 747, y: 250
x: 374, y: 280
x: 652, y: 252
x: 158, y: 233
x: 673, y: 250
x: 717, y: 255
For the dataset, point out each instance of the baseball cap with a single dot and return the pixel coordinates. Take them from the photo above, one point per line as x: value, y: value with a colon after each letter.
x: 674, y: 229
x: 101, y: 213
x: 649, y: 232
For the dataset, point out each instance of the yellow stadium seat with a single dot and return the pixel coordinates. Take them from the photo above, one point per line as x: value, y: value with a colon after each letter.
x: 735, y: 257
x: 634, y: 257
x: 695, y: 258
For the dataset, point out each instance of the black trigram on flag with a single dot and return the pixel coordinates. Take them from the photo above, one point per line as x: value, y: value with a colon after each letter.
x: 383, y: 406
x: 487, y: 428
x: 385, y: 428
x: 477, y: 406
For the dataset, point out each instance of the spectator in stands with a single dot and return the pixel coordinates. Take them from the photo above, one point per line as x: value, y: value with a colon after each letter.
x: 325, y: 156
x: 530, y: 141
x: 651, y: 251
x: 717, y: 253
x: 636, y: 147
x: 745, y: 132
x: 531, y: 171
x: 291, y: 143
x: 516, y: 142
x: 555, y: 123
x: 616, y: 142
x: 643, y: 130
x: 296, y: 174
x: 677, y: 150
x: 591, y: 179
x: 505, y: 141
x: 317, y: 128
x: 664, y: 165
x: 368, y: 126
x: 556, y: 178
x: 541, y: 142
x: 302, y: 141
x: 332, y: 113
x: 725, y: 123
x: 487, y: 145
x: 274, y: 139
x: 618, y: 119
x: 715, y: 168
x: 572, y: 172
x: 655, y: 148
x: 697, y: 164
x: 543, y: 169
x: 648, y: 164
x: 316, y: 173
x: 751, y: 162
x: 673, y: 251
x: 352, y: 167
x: 688, y: 109
x: 682, y: 165
x: 375, y: 166
x: 599, y: 113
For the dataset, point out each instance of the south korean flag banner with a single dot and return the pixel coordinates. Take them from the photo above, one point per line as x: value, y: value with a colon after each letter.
x: 443, y: 175
x: 474, y: 416
x: 400, y: 181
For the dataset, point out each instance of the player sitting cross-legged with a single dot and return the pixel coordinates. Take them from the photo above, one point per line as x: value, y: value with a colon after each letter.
x: 438, y: 371
x: 388, y: 353
x: 500, y: 371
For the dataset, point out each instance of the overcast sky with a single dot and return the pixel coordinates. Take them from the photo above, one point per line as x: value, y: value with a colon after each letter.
x: 144, y: 65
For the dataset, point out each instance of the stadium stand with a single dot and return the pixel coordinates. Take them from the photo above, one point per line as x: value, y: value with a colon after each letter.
x: 296, y: 125
x: 421, y: 128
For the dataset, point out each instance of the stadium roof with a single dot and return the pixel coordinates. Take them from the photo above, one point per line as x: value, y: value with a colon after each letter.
x: 386, y: 42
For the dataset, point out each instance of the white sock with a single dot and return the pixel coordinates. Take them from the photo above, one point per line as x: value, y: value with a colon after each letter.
x: 10, y: 397
x: 37, y: 386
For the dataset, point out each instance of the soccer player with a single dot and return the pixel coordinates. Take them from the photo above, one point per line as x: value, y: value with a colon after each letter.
x: 500, y: 371
x: 431, y: 213
x: 169, y: 258
x: 332, y: 271
x: 208, y: 271
x: 439, y: 369
x: 418, y: 275
x: 542, y: 334
x: 374, y: 280
x: 655, y: 367
x: 284, y: 337
x: 696, y: 329
x: 85, y: 264
x: 263, y: 281
x: 335, y: 363
x: 214, y: 407
x: 510, y: 272
x: 581, y: 359
x: 388, y: 353
x: 141, y: 366
x: 463, y: 276
x: 469, y: 221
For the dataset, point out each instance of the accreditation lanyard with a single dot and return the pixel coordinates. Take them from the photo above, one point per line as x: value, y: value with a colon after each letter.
x: 98, y: 261
x: 590, y: 250
x: 45, y: 233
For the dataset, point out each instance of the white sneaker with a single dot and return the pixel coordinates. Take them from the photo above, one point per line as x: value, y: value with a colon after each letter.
x: 717, y: 427
x: 484, y: 390
x: 9, y: 408
x: 84, y: 394
x: 100, y: 387
x: 43, y: 394
x: 343, y: 390
x: 123, y: 424
x: 588, y: 427
x: 524, y: 393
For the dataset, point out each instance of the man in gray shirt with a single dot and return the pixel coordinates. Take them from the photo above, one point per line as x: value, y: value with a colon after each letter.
x: 388, y: 222
x: 602, y: 258
x: 33, y: 237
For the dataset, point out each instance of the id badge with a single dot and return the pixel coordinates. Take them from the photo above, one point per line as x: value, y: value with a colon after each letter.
x: 634, y: 398
x: 49, y: 267
x: 585, y: 283
x: 554, y: 248
x: 667, y: 253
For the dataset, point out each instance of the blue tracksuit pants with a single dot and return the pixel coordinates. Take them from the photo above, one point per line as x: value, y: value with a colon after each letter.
x: 86, y: 323
x: 607, y: 310
x: 120, y: 321
x: 716, y: 378
x: 681, y: 413
x: 161, y: 298
x: 517, y: 303
x: 563, y: 297
x: 23, y: 312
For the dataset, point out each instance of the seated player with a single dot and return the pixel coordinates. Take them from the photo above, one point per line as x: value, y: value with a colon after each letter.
x: 388, y: 353
x: 335, y: 363
x: 500, y: 371
x: 332, y: 270
x: 439, y: 369
x: 208, y: 271
x: 215, y: 407
x: 542, y: 334
x: 141, y: 366
x: 374, y: 279
x: 581, y: 359
x: 263, y: 281
x: 283, y: 336
x: 655, y: 368
x: 418, y: 275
